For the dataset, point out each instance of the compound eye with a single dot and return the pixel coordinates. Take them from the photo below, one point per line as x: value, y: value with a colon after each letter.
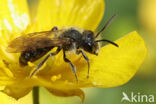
x: 88, y: 33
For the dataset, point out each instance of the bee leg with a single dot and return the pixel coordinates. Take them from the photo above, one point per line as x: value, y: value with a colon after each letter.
x: 86, y: 58
x: 72, y: 66
x: 54, y: 28
x: 44, y: 60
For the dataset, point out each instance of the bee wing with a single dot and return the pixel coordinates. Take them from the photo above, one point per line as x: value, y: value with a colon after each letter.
x: 44, y: 33
x: 39, y: 34
x: 34, y: 41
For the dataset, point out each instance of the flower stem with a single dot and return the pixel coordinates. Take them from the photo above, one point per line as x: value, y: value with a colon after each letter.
x: 36, y: 95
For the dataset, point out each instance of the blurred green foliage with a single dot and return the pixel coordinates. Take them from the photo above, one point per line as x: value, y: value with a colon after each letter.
x: 125, y: 22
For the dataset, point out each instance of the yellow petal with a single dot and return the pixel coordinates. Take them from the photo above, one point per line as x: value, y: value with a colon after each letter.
x: 33, y: 5
x: 85, y: 14
x: 16, y: 92
x: 116, y: 66
x: 5, y: 99
x: 14, y: 19
x: 13, y: 15
x: 68, y: 93
x: 147, y: 15
x: 5, y: 69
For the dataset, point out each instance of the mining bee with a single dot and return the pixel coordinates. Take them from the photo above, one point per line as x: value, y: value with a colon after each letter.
x: 35, y: 45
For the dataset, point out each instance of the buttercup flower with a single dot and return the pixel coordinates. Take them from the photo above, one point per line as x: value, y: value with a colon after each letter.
x: 112, y: 67
x: 147, y: 15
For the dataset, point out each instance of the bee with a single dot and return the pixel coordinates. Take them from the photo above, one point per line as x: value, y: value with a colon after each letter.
x: 35, y: 45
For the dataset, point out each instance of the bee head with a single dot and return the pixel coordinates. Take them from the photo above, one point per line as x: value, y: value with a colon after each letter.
x: 89, y: 43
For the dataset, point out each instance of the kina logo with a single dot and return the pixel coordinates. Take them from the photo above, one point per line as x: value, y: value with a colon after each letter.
x: 137, y: 97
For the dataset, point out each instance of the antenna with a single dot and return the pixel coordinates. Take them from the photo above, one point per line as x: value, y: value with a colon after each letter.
x: 106, y: 25
x: 104, y: 40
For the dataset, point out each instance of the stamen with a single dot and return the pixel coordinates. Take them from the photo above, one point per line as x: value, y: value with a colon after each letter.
x: 66, y: 82
x: 5, y: 69
x: 56, y: 77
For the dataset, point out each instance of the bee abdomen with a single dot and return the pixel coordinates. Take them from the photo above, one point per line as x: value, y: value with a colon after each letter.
x: 32, y: 55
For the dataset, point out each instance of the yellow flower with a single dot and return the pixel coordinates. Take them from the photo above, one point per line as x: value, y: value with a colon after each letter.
x: 147, y: 15
x: 5, y: 99
x: 112, y: 67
